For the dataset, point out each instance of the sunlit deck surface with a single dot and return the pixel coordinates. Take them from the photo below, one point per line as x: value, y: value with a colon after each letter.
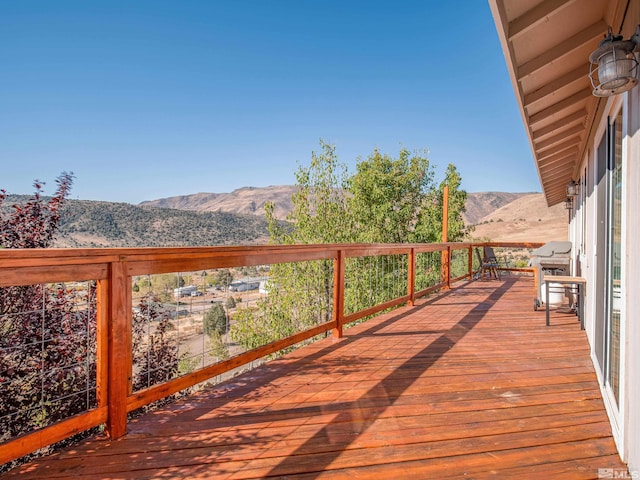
x: 468, y: 384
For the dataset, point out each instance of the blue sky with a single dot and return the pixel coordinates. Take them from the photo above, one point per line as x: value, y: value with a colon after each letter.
x: 150, y: 99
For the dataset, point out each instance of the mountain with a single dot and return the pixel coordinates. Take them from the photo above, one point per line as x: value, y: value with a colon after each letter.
x: 525, y: 219
x: 246, y: 200
x: 481, y: 204
x: 498, y: 216
x: 86, y: 223
x: 106, y: 224
x: 251, y: 200
x: 215, y: 219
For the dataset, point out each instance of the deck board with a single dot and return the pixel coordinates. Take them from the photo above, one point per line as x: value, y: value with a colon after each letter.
x: 467, y: 384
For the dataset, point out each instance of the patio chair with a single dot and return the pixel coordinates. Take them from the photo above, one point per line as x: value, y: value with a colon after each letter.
x: 488, y: 263
x: 490, y: 256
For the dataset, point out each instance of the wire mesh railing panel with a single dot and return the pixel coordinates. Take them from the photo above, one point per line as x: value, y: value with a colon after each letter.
x: 373, y: 280
x: 292, y: 298
x: 428, y: 269
x: 459, y: 263
x: 512, y: 257
x: 169, y: 315
x: 190, y: 320
x: 47, y: 355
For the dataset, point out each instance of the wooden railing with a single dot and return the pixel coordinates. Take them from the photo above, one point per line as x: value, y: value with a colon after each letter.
x: 112, y: 271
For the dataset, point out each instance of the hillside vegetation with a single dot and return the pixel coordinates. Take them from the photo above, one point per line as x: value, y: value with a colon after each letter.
x: 106, y: 224
x: 218, y: 219
x: 246, y: 200
x: 497, y: 216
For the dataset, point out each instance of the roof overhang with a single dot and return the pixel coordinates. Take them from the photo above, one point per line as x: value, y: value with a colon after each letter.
x: 546, y: 44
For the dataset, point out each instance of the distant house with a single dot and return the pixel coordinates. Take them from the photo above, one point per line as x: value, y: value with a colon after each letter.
x: 184, y: 291
x: 245, y: 284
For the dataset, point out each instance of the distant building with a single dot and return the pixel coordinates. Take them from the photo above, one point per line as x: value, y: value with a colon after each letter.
x: 184, y: 291
x: 246, y: 284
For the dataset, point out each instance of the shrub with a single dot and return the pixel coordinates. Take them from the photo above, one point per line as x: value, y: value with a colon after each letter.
x: 215, y: 320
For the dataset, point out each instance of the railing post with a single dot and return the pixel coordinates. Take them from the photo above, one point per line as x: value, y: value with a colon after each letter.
x: 102, y: 342
x: 338, y: 294
x: 411, y: 280
x: 470, y: 260
x: 119, y: 361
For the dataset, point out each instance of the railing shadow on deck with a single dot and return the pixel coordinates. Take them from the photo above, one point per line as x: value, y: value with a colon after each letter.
x: 180, y: 418
x: 447, y: 340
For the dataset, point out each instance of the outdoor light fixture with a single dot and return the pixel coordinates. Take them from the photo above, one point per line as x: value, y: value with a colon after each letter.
x: 616, y: 64
x: 568, y: 203
x: 573, y: 188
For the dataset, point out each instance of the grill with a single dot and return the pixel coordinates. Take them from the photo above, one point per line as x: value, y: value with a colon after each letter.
x: 553, y: 258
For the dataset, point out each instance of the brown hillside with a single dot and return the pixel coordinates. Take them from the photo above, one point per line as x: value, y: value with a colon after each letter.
x: 498, y: 216
x: 525, y: 219
x: 481, y: 204
x: 246, y: 200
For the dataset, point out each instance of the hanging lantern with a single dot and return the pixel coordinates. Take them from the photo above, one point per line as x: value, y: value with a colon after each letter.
x: 616, y: 65
x: 573, y: 188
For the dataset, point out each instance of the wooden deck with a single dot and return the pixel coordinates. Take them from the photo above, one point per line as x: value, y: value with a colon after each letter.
x: 468, y: 384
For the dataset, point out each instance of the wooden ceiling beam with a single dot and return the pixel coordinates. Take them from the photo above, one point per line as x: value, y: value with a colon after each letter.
x: 568, y: 144
x: 574, y: 76
x: 560, y: 177
x: 588, y: 35
x: 576, y: 117
x: 558, y: 156
x: 542, y: 145
x: 553, y: 170
x: 559, y: 184
x: 535, y: 16
x: 568, y: 102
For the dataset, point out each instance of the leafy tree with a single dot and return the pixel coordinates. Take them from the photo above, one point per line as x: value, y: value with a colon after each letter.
x: 215, y: 320
x: 223, y: 277
x: 388, y: 195
x: 230, y: 303
x: 47, y: 332
x: 301, y: 294
x: 34, y: 224
x: 218, y: 347
x: 320, y: 205
x: 430, y: 225
x: 387, y: 200
x: 47, y: 343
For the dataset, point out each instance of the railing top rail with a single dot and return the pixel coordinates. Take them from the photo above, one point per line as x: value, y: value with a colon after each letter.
x: 253, y: 254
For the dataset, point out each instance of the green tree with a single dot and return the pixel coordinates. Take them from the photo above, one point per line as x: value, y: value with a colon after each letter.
x: 218, y: 347
x: 301, y: 294
x: 230, y: 303
x: 430, y: 225
x: 387, y: 200
x: 321, y: 211
x: 387, y: 196
x: 215, y: 320
x: 223, y: 277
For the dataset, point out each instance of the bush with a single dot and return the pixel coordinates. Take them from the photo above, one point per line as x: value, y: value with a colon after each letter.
x: 47, y: 332
x: 215, y: 320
